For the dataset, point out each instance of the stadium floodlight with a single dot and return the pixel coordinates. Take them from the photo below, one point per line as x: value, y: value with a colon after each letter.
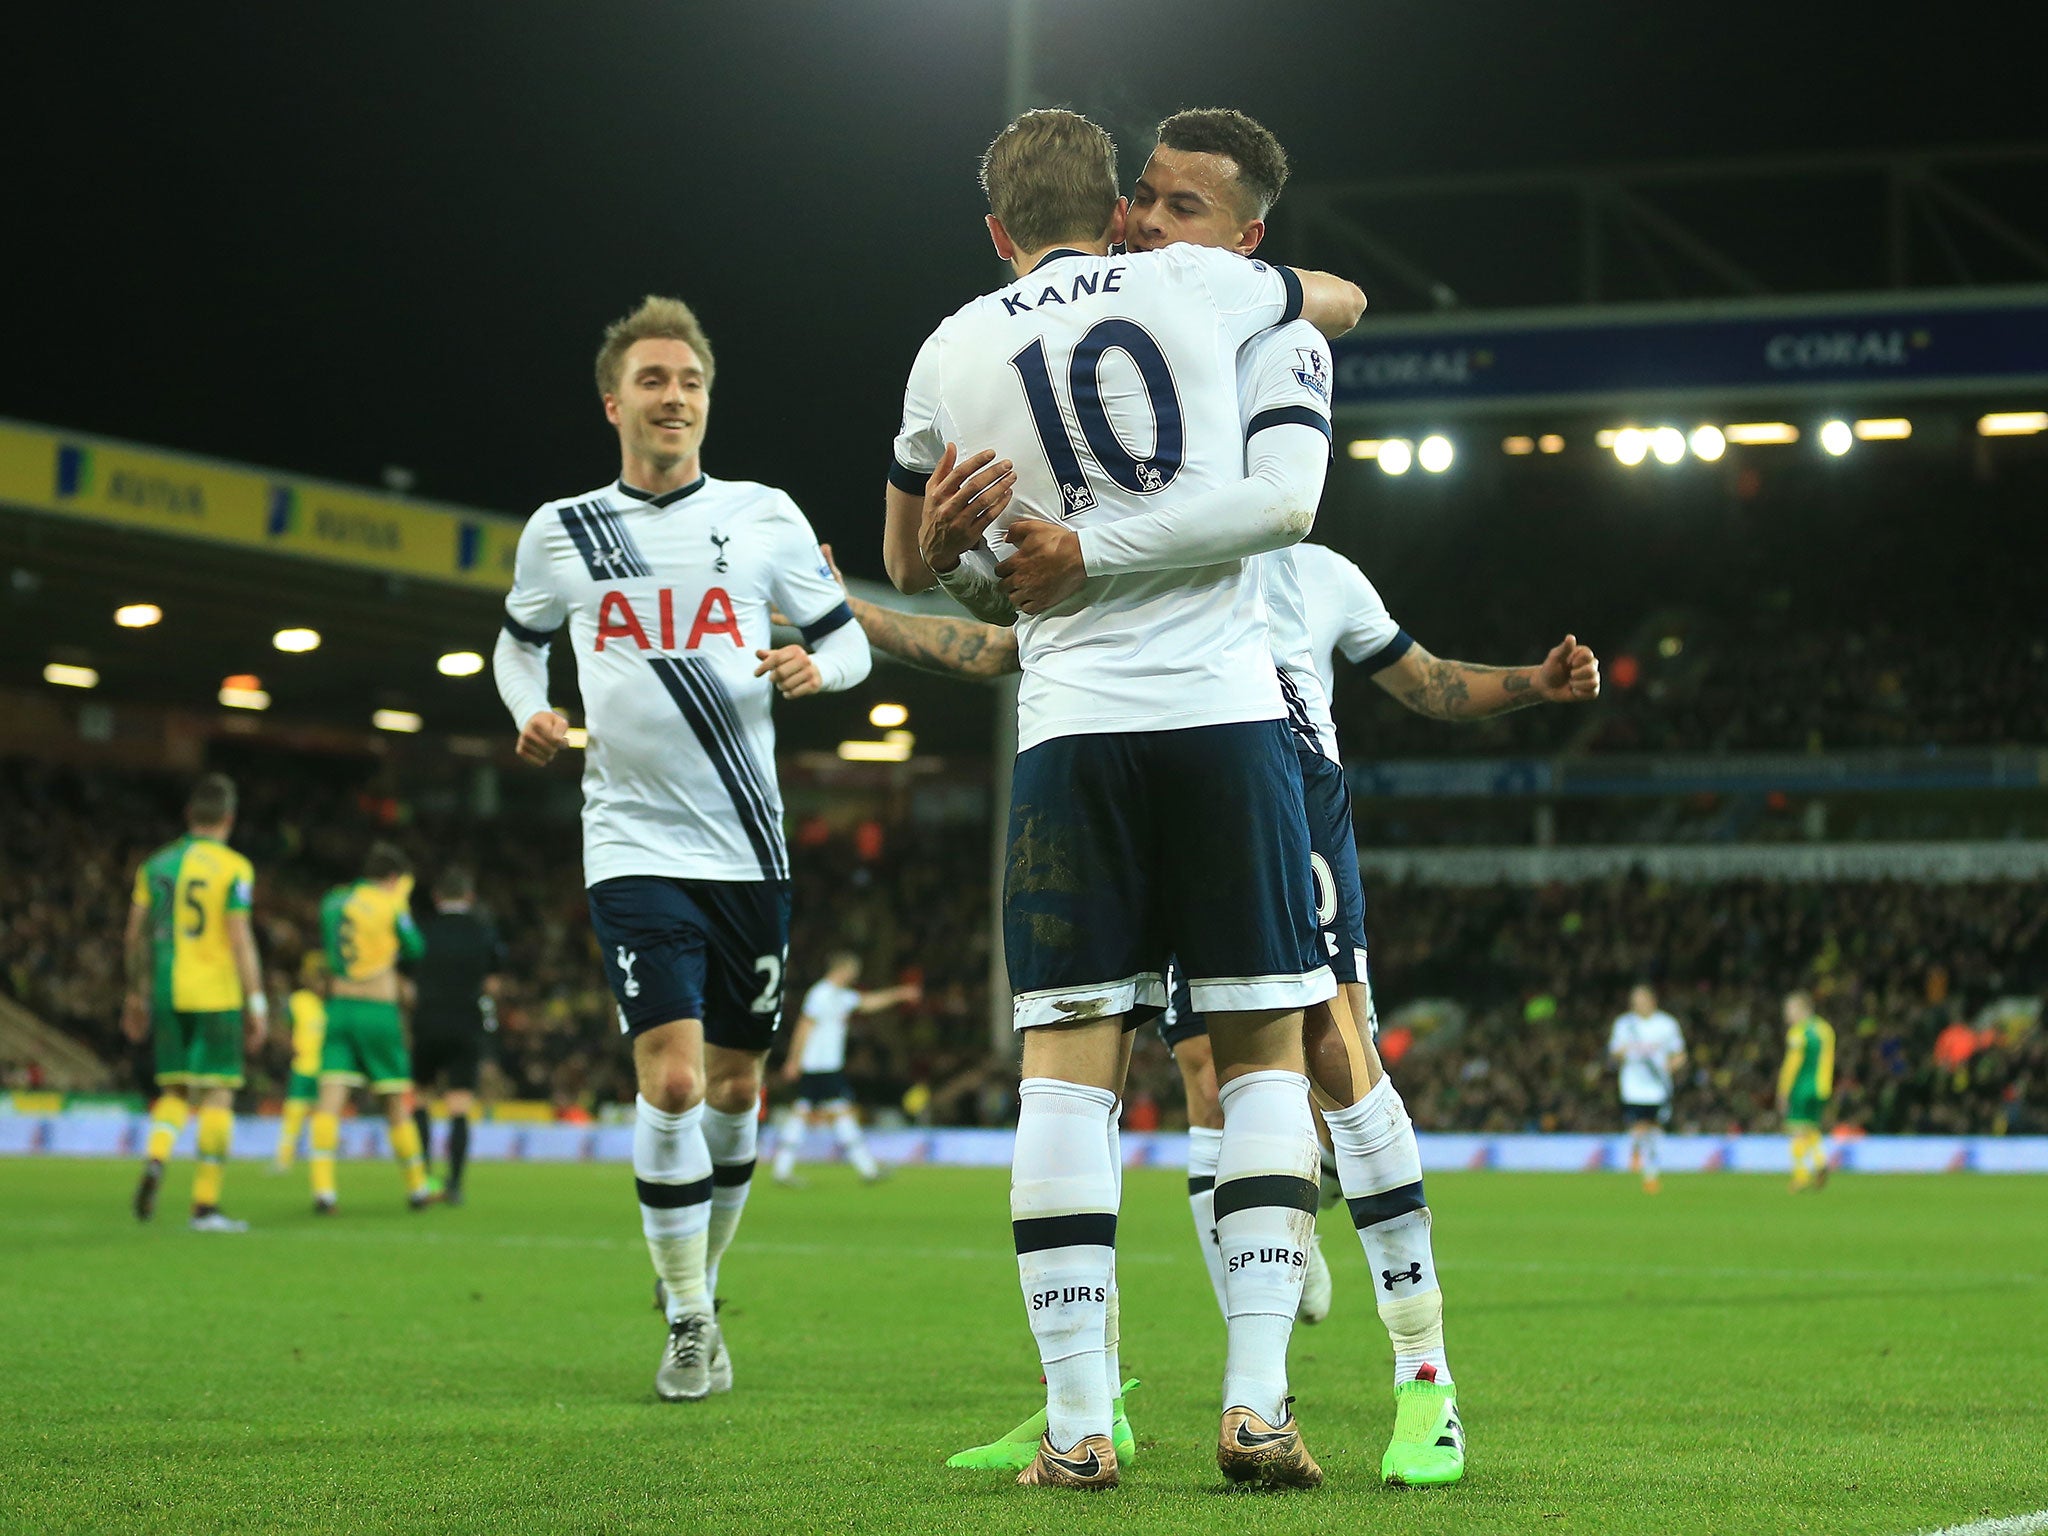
x: 1435, y: 453
x: 1836, y: 437
x: 138, y: 615
x: 460, y: 664
x: 578, y: 737
x: 243, y: 692
x: 888, y: 715
x: 1550, y: 442
x: 1396, y: 454
x: 904, y: 739
x: 1518, y: 445
x: 1605, y: 437
x: 1709, y: 443
x: 2012, y: 423
x: 874, y: 751
x: 401, y: 720
x: 1668, y: 443
x: 1364, y: 448
x: 1631, y: 446
x: 70, y: 677
x: 1670, y: 646
x: 1751, y: 433
x: 296, y: 640
x: 1884, y: 429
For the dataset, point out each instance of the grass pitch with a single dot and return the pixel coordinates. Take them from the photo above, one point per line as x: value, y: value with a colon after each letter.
x: 1723, y: 1357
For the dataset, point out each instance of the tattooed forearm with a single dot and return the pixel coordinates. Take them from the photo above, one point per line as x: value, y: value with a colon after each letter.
x: 956, y: 647
x: 1460, y: 690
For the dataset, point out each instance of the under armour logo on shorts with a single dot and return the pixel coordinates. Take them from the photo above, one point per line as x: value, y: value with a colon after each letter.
x: 1412, y: 1272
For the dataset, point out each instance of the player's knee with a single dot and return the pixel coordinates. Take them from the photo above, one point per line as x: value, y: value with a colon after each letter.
x: 733, y: 1093
x: 672, y: 1083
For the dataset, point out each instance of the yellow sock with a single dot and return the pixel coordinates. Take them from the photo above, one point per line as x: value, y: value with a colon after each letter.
x: 1802, y: 1157
x: 405, y: 1146
x: 325, y: 1137
x: 295, y: 1111
x: 216, y: 1135
x: 167, y: 1117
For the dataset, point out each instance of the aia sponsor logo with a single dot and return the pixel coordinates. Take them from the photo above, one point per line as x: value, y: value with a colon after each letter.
x: 618, y: 619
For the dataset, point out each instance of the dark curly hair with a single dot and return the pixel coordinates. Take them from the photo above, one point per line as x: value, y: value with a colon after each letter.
x: 1261, y: 162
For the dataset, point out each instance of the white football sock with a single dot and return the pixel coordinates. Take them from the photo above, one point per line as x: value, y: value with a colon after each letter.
x: 1063, y: 1217
x: 672, y: 1169
x: 1204, y: 1147
x: 731, y: 1138
x: 846, y: 1131
x: 1653, y: 1143
x: 1112, y: 1355
x: 1266, y: 1179
x: 1380, y: 1167
x: 789, y: 1139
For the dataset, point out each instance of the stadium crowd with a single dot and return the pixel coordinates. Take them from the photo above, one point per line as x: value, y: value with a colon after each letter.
x: 1495, y: 1002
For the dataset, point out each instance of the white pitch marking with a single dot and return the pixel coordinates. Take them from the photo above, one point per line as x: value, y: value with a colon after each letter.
x: 2004, y: 1525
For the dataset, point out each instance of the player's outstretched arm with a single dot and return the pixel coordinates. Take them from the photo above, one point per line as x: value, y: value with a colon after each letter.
x: 888, y: 997
x: 955, y: 647
x: 1464, y: 690
x: 1332, y: 304
x: 135, y: 1005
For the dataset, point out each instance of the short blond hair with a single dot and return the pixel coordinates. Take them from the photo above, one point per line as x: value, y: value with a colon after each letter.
x: 1051, y: 176
x: 657, y: 318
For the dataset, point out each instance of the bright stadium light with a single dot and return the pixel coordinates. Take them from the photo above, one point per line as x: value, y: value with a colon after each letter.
x: 296, y: 640
x: 1364, y: 448
x: 401, y: 720
x: 1435, y: 454
x: 578, y: 737
x: 1881, y: 429
x: 70, y: 677
x: 138, y: 615
x: 1751, y: 433
x: 1517, y: 446
x: 888, y: 716
x: 1396, y: 455
x: 1550, y: 442
x: 1605, y: 437
x: 1836, y: 437
x: 243, y: 691
x: 460, y: 664
x: 1668, y: 443
x: 1631, y: 446
x: 1709, y: 443
x: 874, y: 752
x: 2012, y: 423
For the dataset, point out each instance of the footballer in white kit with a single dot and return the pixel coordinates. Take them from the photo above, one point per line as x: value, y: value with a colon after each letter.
x: 665, y: 579
x: 817, y: 1065
x: 1156, y: 807
x: 1647, y: 1047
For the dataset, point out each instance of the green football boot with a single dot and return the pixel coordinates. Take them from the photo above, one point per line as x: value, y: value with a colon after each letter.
x: 1016, y: 1450
x: 1428, y: 1448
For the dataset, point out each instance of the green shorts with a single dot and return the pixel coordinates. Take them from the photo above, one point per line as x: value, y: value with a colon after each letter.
x: 1804, y: 1109
x: 199, y: 1050
x: 365, y: 1044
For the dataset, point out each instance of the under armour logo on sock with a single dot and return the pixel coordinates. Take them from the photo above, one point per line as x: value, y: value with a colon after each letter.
x: 1412, y: 1272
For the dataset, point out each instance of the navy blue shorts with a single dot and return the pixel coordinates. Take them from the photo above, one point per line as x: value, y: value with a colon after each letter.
x: 1645, y: 1114
x: 824, y: 1088
x: 1127, y: 847
x: 1333, y: 853
x: 1178, y: 1020
x: 695, y: 949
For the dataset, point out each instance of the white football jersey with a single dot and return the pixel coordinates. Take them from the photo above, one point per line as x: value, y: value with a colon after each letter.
x: 1645, y: 1044
x: 667, y: 599
x: 1283, y: 377
x: 828, y: 1006
x: 1110, y: 381
x: 1343, y: 612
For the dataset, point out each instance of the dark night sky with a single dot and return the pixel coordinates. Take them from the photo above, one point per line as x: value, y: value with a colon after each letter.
x: 332, y: 237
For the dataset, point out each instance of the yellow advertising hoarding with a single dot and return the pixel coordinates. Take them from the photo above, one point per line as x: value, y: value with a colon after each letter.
x: 73, y: 474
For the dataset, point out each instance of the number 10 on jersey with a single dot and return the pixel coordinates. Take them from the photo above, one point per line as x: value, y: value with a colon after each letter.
x: 1142, y: 477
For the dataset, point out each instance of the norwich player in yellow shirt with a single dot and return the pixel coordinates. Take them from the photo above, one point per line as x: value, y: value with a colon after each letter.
x: 194, y: 983
x: 306, y: 1009
x: 1805, y: 1084
x: 367, y: 929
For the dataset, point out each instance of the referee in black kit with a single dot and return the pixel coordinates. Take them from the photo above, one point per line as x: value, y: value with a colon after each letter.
x: 457, y: 980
